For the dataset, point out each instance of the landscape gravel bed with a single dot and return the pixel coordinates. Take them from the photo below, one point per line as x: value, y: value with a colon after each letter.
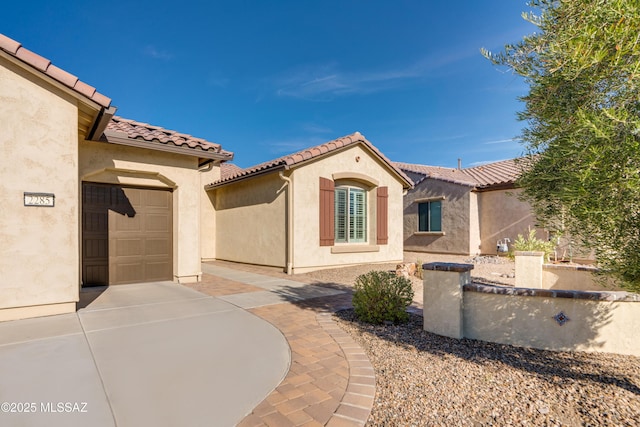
x: 423, y: 379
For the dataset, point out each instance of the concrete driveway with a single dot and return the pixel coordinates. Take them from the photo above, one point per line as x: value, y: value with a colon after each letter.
x: 155, y: 354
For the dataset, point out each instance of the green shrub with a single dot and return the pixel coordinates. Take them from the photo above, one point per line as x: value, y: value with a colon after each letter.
x: 532, y: 244
x: 382, y: 296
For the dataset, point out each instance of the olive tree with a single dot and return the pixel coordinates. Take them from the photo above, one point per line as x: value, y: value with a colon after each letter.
x: 581, y: 169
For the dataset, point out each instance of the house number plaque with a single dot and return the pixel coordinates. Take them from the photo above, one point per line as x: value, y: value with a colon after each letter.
x: 39, y: 199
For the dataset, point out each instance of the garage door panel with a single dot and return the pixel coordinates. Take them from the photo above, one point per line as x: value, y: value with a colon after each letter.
x: 127, y: 234
x: 158, y: 247
x: 158, y: 270
x: 95, y: 222
x: 126, y: 247
x: 96, y: 274
x: 158, y: 200
x: 158, y: 222
x: 124, y: 272
x: 95, y: 248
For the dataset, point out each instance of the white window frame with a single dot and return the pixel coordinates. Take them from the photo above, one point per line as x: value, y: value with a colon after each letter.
x: 353, y: 231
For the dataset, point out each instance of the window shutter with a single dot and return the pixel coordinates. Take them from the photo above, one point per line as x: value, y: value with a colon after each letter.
x: 326, y: 212
x: 382, y: 216
x: 341, y: 214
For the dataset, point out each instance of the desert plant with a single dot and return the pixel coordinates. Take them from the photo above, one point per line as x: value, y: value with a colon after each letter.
x: 531, y: 243
x: 419, y: 269
x: 382, y: 296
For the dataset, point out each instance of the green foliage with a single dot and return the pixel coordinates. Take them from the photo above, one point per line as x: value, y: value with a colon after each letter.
x: 419, y: 269
x: 382, y: 296
x: 531, y: 243
x: 581, y: 172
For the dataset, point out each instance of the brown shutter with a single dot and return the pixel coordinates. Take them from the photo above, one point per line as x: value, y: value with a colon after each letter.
x: 327, y: 188
x: 382, y: 216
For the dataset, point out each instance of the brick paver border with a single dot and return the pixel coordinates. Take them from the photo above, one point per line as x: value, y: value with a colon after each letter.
x: 330, y: 382
x: 355, y: 407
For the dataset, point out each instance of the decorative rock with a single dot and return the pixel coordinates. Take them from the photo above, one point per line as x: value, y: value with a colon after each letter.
x: 406, y: 269
x: 427, y: 379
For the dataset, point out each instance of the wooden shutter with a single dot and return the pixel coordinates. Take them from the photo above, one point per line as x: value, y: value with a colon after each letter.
x: 382, y: 216
x: 327, y: 188
x: 340, y: 214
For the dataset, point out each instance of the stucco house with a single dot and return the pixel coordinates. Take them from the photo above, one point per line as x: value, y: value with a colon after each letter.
x: 463, y: 211
x: 91, y: 198
x: 330, y: 205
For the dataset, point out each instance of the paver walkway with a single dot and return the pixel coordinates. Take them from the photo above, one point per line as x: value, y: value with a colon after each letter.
x: 330, y: 381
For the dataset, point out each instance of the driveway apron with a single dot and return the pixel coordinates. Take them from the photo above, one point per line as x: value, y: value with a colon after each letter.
x: 153, y: 354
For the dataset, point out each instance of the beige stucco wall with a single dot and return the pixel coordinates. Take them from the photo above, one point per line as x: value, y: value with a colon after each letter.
x: 354, y: 161
x: 606, y: 326
x: 502, y: 215
x: 569, y: 277
x: 208, y: 214
x: 118, y: 164
x: 250, y: 221
x: 456, y: 209
x: 605, y: 322
x: 475, y: 240
x: 252, y: 215
x: 39, y: 254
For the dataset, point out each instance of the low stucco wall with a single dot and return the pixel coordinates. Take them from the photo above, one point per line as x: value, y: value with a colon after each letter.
x: 579, y: 278
x: 607, y: 321
x: 531, y: 272
x: 538, y: 318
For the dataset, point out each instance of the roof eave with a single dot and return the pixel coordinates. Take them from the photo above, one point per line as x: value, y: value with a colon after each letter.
x: 237, y: 179
x: 121, y: 139
x: 494, y: 187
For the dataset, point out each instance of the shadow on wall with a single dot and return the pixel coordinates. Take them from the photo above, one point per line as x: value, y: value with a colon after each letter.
x: 535, y: 318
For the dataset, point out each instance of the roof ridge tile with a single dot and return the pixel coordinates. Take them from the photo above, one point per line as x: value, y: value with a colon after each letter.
x: 308, y: 154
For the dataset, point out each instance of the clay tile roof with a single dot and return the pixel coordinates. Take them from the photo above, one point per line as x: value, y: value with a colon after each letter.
x: 228, y: 169
x: 497, y: 173
x: 301, y: 156
x: 45, y: 66
x: 155, y: 134
x: 455, y: 176
x: 485, y: 176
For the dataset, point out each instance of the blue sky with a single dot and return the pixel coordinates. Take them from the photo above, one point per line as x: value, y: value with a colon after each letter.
x: 267, y: 78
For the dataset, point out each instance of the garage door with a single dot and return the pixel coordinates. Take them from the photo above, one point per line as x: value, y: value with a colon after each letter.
x: 126, y: 235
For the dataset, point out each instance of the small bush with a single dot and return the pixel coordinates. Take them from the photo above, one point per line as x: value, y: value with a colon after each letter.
x: 382, y: 296
x: 419, y: 269
x: 532, y: 244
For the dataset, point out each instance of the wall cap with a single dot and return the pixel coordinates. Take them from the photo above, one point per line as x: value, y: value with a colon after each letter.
x: 548, y: 293
x: 447, y: 266
x: 528, y: 253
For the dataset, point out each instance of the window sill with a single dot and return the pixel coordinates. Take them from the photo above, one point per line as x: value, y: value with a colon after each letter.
x: 346, y: 249
x: 430, y: 233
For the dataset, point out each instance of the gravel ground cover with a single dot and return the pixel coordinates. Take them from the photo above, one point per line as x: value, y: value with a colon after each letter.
x: 423, y: 379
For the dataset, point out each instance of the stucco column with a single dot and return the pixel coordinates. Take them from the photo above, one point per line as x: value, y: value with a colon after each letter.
x: 529, y: 269
x: 443, y: 297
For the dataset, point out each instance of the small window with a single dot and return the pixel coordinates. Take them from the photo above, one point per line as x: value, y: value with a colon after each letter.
x: 430, y: 216
x: 350, y: 215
